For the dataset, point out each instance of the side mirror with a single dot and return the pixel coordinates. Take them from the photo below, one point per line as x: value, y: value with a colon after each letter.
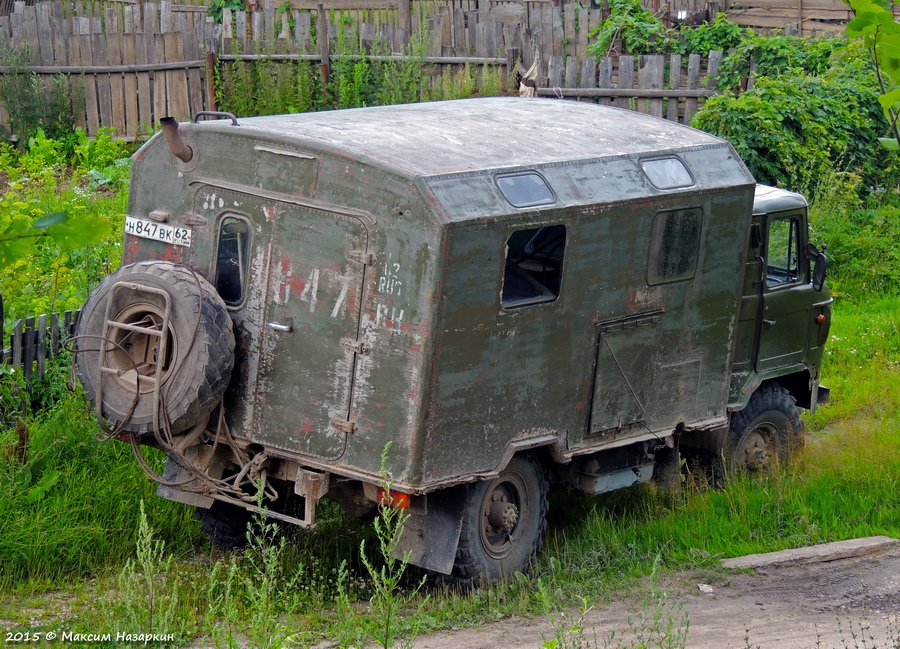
x: 820, y: 266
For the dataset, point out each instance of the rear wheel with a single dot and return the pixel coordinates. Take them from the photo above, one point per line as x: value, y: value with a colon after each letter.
x: 225, y: 525
x: 503, y: 522
x: 765, y: 433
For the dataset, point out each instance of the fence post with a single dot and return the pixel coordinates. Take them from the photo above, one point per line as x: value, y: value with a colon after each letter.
x: 324, y: 46
x: 212, y: 38
x: 28, y: 344
x: 41, y: 355
x: 513, y: 61
x: 406, y: 20
x: 16, y: 343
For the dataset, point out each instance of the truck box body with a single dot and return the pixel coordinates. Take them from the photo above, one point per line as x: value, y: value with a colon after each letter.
x: 454, y: 378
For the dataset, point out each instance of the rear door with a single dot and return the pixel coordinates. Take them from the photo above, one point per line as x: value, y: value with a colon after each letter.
x: 310, y: 325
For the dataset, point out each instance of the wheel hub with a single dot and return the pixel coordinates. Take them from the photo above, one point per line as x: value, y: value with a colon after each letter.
x: 754, y: 452
x: 501, y: 515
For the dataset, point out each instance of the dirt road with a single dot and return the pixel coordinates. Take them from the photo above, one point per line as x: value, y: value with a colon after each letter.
x: 813, y: 606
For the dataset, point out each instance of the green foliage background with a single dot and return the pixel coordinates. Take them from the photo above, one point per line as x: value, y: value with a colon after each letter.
x: 800, y: 124
x: 357, y: 79
x: 53, y: 261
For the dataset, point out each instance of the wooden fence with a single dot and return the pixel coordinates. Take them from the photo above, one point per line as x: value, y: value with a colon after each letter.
x: 660, y: 86
x: 801, y: 17
x: 133, y: 71
x: 36, y: 339
x: 138, y: 61
x: 806, y: 17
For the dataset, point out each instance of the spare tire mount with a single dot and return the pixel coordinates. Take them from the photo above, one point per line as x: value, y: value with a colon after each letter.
x: 143, y: 361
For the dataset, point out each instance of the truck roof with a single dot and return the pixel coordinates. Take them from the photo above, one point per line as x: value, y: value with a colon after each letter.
x: 775, y: 199
x: 477, y: 134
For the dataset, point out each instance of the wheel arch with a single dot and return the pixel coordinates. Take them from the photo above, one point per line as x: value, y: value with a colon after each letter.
x: 799, y: 385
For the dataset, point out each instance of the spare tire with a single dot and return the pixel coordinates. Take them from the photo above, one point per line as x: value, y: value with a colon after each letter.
x: 199, y: 355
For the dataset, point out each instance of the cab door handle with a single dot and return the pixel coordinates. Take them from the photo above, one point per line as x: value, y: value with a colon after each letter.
x: 280, y: 327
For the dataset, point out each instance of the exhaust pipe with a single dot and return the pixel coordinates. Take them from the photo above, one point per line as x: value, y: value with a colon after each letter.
x: 176, y: 145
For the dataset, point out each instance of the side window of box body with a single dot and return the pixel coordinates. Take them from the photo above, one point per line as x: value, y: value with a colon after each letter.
x: 534, y: 266
x: 525, y: 189
x: 667, y: 173
x: 675, y: 245
x: 232, y: 259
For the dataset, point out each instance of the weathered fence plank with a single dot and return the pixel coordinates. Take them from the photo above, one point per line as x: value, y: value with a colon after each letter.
x: 672, y: 107
x: 35, y: 340
x: 29, y: 351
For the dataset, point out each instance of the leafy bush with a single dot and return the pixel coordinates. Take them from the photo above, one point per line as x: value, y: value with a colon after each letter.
x: 720, y: 34
x: 794, y: 129
x: 54, y: 228
x: 777, y: 56
x: 880, y: 31
x: 641, y: 32
x: 631, y: 23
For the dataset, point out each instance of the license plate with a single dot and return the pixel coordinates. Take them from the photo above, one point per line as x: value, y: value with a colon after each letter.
x: 157, y: 231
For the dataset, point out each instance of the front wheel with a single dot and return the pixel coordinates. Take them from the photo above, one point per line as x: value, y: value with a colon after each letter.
x: 503, y: 522
x: 765, y: 433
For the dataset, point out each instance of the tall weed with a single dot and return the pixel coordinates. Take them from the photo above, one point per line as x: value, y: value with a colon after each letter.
x: 34, y: 102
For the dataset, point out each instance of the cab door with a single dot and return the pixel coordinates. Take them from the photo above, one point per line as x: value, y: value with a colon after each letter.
x: 310, y: 326
x: 786, y: 294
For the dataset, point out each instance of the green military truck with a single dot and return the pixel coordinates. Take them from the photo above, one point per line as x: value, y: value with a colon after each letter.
x: 503, y: 293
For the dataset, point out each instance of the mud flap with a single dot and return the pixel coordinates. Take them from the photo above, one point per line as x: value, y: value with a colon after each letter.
x: 174, y: 473
x: 431, y: 533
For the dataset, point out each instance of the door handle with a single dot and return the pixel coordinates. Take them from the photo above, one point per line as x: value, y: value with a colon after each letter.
x: 768, y: 322
x: 280, y: 327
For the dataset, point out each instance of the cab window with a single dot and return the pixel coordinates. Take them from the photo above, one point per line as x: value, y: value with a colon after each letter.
x: 231, y: 259
x: 534, y: 264
x: 783, y: 258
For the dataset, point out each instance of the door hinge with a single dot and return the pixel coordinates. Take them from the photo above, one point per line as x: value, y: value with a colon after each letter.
x: 363, y: 257
x: 344, y: 426
x: 356, y: 346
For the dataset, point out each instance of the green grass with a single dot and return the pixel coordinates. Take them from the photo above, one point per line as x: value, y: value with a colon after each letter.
x: 71, y: 508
